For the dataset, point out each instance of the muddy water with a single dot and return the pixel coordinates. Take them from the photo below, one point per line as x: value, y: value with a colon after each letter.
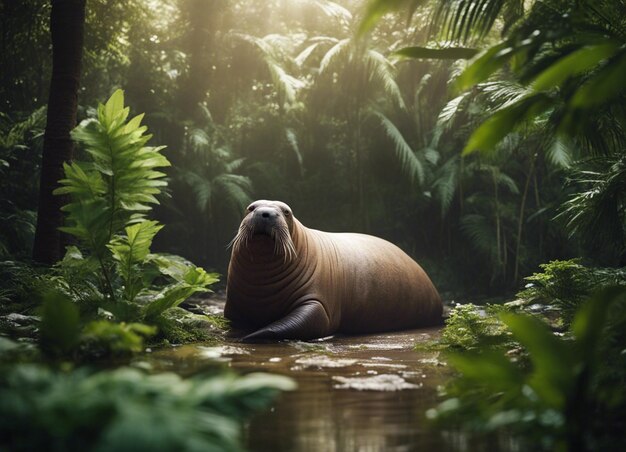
x: 358, y: 393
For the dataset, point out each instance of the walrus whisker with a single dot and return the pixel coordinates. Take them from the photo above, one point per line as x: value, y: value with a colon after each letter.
x: 286, y: 244
x: 242, y: 237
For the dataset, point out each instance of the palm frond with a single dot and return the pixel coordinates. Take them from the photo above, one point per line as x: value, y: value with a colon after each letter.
x: 271, y: 51
x: 445, y: 183
x: 234, y: 189
x: 506, y: 181
x: 461, y: 20
x: 314, y: 44
x: 597, y: 215
x: 235, y: 165
x: 334, y: 10
x: 16, y: 133
x: 449, y: 111
x: 383, y: 73
x: 198, y: 139
x: 200, y: 186
x: 409, y: 162
x: 338, y: 52
x: 376, y: 9
x: 560, y: 152
x: 292, y: 141
x: 481, y: 233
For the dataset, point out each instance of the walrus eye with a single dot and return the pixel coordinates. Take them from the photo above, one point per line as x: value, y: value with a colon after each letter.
x: 286, y: 212
x: 250, y: 208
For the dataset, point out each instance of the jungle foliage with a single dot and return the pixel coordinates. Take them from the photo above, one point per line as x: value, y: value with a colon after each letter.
x: 484, y: 137
x: 119, y: 409
x: 104, y: 299
x: 109, y: 292
x: 557, y: 393
x: 357, y: 120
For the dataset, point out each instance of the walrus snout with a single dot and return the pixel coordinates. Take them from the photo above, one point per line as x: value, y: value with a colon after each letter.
x: 264, y: 219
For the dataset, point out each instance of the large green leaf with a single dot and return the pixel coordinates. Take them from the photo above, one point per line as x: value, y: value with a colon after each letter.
x: 194, y: 280
x: 376, y: 9
x: 505, y: 120
x: 133, y: 248
x: 607, y: 83
x: 485, y: 64
x: 573, y: 64
x: 551, y: 357
x: 59, y: 323
x: 446, y: 53
x: 130, y: 251
x: 491, y: 368
x: 591, y: 318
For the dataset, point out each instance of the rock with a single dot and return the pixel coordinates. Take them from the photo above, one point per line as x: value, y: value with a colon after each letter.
x: 324, y: 361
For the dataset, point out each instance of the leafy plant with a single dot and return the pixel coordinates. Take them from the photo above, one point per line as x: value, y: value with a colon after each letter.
x: 115, y: 410
x: 20, y: 145
x: 566, y: 284
x: 110, y: 195
x: 118, y: 183
x: 560, y: 400
x: 597, y: 214
x: 471, y: 327
x: 102, y: 337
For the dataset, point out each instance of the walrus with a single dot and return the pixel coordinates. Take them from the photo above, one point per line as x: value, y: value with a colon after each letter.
x: 286, y: 281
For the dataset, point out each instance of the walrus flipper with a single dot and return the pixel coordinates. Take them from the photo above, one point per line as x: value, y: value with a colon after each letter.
x: 307, y: 321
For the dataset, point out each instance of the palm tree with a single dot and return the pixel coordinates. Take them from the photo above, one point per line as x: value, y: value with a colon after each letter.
x: 220, y: 193
x: 361, y: 79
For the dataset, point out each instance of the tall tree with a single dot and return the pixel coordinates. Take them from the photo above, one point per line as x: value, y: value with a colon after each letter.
x: 67, y: 20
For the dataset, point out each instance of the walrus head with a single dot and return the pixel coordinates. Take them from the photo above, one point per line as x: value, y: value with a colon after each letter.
x: 266, y: 221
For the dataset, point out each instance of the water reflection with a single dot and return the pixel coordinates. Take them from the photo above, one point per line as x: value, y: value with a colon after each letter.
x: 319, y: 415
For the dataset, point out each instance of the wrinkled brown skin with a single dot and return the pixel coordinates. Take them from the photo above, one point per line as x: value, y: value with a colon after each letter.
x: 338, y: 283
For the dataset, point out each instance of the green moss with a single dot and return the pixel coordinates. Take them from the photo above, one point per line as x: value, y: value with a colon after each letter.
x: 179, y: 326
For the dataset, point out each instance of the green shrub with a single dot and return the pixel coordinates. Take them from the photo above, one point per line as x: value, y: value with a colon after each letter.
x: 125, y: 409
x: 470, y: 327
x: 105, y: 338
x: 566, y: 284
x: 110, y: 196
x: 111, y: 272
x: 571, y: 394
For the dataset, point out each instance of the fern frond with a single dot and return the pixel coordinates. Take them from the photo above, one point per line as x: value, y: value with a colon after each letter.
x: 130, y: 250
x: 120, y: 183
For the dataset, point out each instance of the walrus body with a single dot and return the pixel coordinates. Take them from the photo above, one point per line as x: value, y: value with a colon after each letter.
x: 286, y: 281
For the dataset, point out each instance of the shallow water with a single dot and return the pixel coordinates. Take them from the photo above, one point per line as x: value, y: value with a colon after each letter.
x: 356, y: 393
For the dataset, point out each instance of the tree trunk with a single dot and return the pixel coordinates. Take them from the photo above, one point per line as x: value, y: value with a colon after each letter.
x: 200, y: 16
x: 67, y: 19
x: 520, y: 220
